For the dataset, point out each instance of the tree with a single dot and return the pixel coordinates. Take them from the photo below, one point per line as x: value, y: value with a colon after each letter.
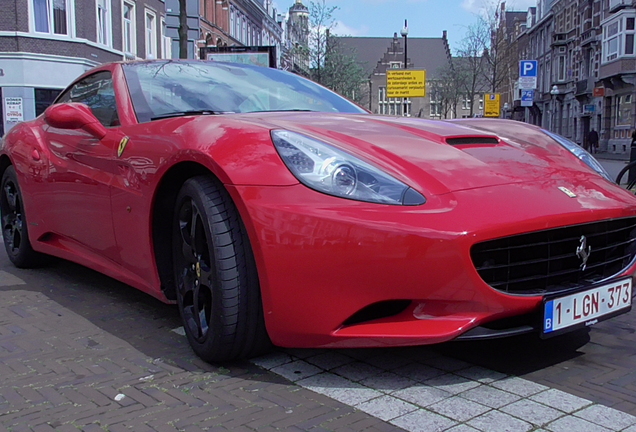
x: 342, y: 72
x: 487, y: 56
x: 448, y: 90
x: 470, y: 68
x: 330, y: 64
x: 183, y: 29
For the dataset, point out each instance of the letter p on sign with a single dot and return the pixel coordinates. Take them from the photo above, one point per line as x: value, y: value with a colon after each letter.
x: 528, y: 68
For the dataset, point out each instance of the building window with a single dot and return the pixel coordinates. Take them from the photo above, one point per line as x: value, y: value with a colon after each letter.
x: 151, y: 35
x: 389, y: 106
x: 44, y: 98
x: 618, y: 36
x: 51, y: 16
x: 128, y: 18
x: 436, y: 105
x: 624, y: 110
x: 232, y: 13
x: 103, y: 22
x: 561, y: 68
x: 165, y: 41
x: 466, y: 101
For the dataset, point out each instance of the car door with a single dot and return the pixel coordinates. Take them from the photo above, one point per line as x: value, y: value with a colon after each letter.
x: 80, y: 172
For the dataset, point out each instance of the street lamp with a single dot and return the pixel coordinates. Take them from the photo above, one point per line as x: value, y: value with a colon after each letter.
x: 555, y: 93
x: 405, y: 35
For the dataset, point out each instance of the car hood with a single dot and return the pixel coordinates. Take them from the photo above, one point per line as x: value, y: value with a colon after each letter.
x: 441, y: 156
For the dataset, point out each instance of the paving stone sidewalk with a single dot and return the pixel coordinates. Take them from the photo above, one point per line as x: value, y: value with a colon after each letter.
x: 60, y: 372
x: 422, y: 391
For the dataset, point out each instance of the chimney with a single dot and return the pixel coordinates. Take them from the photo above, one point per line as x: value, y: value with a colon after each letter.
x: 443, y: 34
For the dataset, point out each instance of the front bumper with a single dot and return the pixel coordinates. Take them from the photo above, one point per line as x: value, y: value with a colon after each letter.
x: 321, y: 260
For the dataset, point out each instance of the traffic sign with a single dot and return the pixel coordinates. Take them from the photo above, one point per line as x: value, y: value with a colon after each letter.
x: 527, y: 98
x: 405, y: 83
x: 492, y: 105
x: 528, y: 72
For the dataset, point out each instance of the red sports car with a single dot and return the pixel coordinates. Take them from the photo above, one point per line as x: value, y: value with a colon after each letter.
x: 272, y: 210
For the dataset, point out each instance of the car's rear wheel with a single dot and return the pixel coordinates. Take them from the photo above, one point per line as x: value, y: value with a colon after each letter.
x: 14, y: 225
x: 217, y: 285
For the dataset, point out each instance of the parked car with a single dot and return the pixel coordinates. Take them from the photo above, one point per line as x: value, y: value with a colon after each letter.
x: 274, y: 211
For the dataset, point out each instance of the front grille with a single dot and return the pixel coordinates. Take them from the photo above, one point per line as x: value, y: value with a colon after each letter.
x: 546, y: 261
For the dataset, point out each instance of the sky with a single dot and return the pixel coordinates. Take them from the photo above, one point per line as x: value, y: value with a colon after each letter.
x: 426, y: 18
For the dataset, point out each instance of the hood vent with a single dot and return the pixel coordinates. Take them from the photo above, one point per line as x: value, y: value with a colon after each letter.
x: 472, y: 140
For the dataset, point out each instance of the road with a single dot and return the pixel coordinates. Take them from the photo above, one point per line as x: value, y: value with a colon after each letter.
x: 613, y: 167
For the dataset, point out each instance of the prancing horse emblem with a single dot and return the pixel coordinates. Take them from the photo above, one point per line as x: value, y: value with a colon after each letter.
x: 583, y: 251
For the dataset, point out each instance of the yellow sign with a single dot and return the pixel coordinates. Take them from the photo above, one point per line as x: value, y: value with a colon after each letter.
x: 491, y: 105
x: 402, y: 83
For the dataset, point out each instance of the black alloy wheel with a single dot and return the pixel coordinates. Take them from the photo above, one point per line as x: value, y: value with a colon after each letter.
x: 14, y: 225
x: 216, y: 281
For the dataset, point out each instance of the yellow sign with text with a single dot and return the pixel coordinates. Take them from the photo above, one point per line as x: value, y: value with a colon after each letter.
x: 402, y: 83
x: 492, y: 107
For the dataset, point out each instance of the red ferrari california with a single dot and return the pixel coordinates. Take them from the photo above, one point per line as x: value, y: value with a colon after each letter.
x: 273, y: 211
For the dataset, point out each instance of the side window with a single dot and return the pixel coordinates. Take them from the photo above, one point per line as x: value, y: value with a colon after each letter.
x: 98, y: 93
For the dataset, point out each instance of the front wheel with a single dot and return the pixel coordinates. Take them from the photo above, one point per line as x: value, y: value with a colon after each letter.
x: 217, y: 285
x: 14, y: 225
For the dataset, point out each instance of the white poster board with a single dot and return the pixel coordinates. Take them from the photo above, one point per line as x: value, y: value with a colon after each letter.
x: 13, y: 109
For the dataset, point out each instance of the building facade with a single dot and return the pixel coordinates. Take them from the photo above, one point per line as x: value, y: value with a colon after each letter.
x: 587, y: 69
x: 45, y: 44
x: 377, y: 55
x: 220, y: 23
x: 616, y: 76
x: 296, y: 42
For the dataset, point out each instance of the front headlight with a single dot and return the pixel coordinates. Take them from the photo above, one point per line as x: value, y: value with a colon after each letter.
x: 580, y: 153
x: 334, y: 172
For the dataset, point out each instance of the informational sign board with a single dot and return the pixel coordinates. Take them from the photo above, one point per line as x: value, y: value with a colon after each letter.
x: 528, y: 72
x: 405, y: 83
x: 527, y: 98
x: 492, y: 107
x: 254, y: 55
x: 13, y: 109
x: 598, y: 92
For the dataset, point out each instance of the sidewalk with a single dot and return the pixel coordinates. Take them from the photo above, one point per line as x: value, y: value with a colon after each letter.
x: 611, y: 156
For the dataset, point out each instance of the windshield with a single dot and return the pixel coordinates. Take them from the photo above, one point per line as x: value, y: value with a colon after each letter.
x: 162, y: 88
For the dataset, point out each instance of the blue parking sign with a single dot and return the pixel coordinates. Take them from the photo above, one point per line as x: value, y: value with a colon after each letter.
x: 528, y: 72
x: 527, y: 97
x: 528, y: 68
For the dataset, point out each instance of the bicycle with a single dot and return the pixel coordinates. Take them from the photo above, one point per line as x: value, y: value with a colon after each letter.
x: 631, y: 185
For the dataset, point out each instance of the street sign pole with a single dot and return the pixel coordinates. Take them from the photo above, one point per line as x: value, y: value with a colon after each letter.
x: 528, y: 73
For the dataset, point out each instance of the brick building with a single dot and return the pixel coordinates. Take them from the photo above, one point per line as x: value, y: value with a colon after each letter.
x: 376, y: 55
x: 45, y: 44
x: 225, y: 23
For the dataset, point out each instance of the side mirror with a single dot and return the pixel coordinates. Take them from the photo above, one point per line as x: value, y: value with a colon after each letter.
x: 74, y: 115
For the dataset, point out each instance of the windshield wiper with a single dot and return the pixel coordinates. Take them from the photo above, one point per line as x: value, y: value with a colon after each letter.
x: 184, y: 113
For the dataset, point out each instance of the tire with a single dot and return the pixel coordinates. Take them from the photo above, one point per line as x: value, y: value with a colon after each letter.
x: 14, y: 224
x: 216, y: 281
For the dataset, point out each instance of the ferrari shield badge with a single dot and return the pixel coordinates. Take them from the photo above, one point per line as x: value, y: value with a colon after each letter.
x: 567, y: 191
x: 122, y: 146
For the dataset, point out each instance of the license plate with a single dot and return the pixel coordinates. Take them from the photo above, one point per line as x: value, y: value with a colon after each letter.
x: 586, y: 308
